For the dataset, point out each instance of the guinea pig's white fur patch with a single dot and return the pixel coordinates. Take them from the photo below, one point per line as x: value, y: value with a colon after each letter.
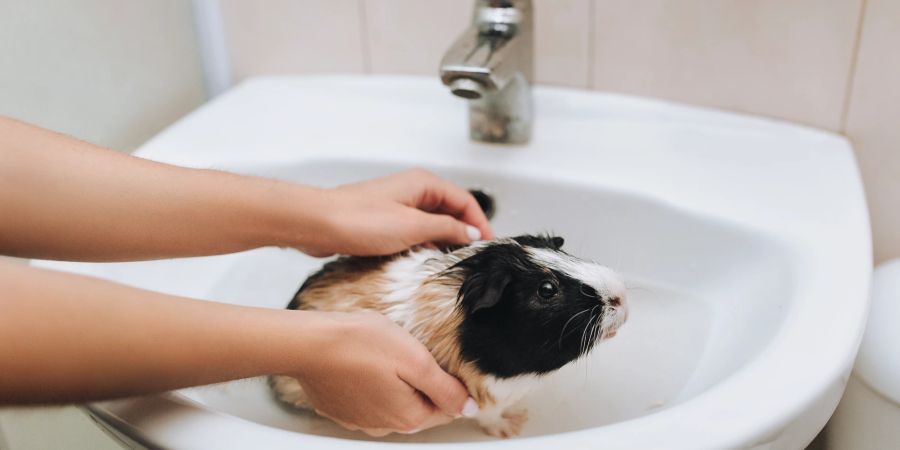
x: 402, y: 278
x: 601, y: 278
x: 405, y: 288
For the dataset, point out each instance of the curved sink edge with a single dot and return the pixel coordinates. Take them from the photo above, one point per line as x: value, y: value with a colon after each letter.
x: 806, y: 130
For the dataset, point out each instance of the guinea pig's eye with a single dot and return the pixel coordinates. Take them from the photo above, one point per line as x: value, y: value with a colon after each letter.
x: 547, y: 290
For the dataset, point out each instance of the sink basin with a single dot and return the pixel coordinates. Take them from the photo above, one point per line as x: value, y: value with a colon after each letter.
x: 744, y: 243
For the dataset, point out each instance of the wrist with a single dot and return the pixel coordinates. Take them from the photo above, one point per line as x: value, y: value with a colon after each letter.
x: 291, y: 215
x: 296, y: 340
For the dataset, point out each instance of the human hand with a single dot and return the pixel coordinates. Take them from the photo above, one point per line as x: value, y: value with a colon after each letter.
x: 390, y: 214
x: 366, y: 373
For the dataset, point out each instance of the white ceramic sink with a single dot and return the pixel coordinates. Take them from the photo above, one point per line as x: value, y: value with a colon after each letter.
x: 744, y: 243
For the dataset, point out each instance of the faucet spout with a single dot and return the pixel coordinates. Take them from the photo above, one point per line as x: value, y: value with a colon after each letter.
x: 491, y: 66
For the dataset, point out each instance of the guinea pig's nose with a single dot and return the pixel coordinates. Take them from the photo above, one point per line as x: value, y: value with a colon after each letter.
x: 615, y: 301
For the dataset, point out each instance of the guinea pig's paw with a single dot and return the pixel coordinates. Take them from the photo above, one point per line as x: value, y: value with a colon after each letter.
x: 289, y: 390
x: 506, y: 424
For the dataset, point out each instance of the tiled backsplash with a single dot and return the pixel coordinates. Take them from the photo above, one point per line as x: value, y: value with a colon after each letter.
x: 828, y: 64
x: 789, y: 59
x: 873, y: 121
x: 294, y: 36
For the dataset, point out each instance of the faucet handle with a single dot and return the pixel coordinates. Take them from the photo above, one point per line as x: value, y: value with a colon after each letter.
x: 491, y: 65
x: 492, y: 51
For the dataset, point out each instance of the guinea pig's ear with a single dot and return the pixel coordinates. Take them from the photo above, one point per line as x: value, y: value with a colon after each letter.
x: 483, y: 290
x: 486, y: 275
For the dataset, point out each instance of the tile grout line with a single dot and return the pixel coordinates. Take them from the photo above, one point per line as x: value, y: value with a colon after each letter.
x: 592, y: 4
x: 854, y: 63
x: 364, y: 37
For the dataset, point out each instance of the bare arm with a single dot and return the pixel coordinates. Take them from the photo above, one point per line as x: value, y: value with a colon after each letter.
x: 71, y: 338
x: 67, y: 338
x: 66, y: 199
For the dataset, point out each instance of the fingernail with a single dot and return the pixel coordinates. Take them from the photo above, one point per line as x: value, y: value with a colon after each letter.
x: 470, y: 408
x: 474, y: 233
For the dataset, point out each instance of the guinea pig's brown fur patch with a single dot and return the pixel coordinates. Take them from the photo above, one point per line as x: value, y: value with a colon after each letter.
x: 361, y: 284
x: 440, y: 337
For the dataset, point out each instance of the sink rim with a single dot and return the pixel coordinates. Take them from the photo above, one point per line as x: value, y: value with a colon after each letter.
x: 842, y: 268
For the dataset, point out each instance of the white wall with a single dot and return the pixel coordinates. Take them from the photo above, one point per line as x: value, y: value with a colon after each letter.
x: 113, y: 72
x: 798, y: 60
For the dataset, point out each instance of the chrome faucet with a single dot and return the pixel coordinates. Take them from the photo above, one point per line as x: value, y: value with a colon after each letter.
x: 491, y: 65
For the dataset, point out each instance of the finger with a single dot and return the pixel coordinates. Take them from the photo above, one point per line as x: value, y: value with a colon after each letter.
x: 462, y: 205
x: 443, y: 196
x: 443, y: 228
x: 443, y: 389
x: 484, y: 228
x: 420, y: 415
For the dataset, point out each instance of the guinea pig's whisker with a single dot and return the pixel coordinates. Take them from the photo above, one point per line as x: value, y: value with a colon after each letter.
x: 592, y: 339
x: 598, y: 324
x: 562, y: 334
x: 593, y: 331
x: 587, y: 325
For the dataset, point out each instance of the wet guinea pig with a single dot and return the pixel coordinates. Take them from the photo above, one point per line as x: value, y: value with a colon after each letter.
x: 497, y: 314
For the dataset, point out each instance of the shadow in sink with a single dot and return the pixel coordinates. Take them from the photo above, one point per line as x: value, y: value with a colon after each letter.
x: 705, y: 296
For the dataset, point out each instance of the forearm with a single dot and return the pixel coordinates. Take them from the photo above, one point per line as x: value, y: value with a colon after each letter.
x: 67, y: 338
x: 65, y: 199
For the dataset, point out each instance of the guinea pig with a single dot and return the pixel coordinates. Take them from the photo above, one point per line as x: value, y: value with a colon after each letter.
x: 498, y: 314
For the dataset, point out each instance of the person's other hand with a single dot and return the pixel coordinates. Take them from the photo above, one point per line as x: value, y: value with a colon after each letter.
x: 390, y: 214
x: 366, y: 373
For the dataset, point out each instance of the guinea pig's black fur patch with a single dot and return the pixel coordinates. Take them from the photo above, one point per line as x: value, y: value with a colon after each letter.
x: 508, y: 327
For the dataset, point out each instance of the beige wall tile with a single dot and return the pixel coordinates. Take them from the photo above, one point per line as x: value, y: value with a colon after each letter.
x: 781, y: 58
x: 873, y: 122
x: 113, y: 72
x: 293, y: 36
x: 410, y: 36
x: 562, y: 52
